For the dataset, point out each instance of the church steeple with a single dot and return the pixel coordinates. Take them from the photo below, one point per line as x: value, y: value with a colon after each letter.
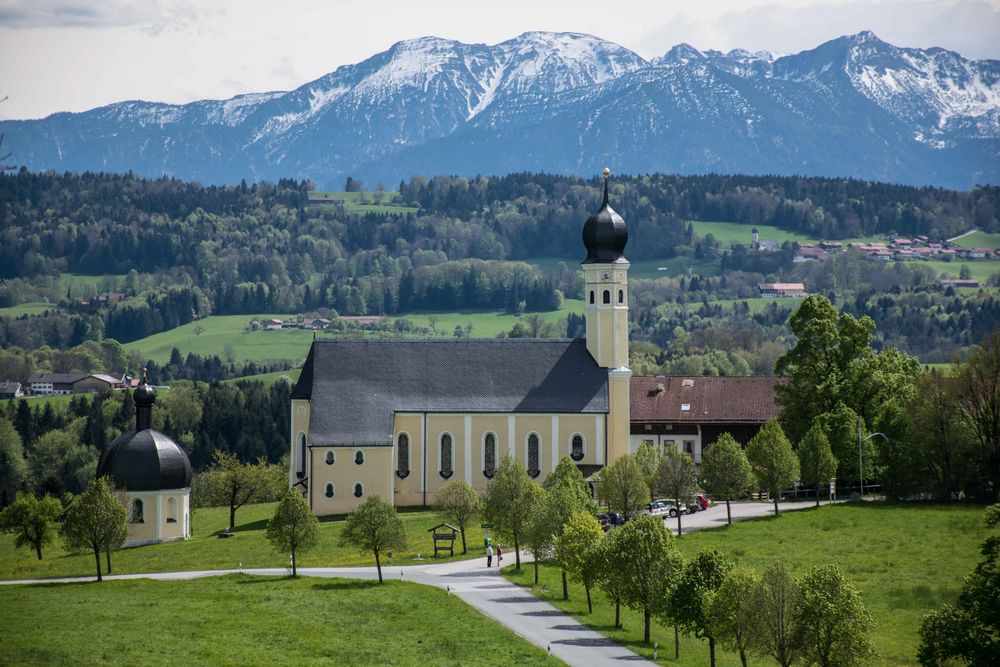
x: 606, y: 275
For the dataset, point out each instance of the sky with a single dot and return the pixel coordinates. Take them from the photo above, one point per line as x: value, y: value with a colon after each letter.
x: 69, y: 55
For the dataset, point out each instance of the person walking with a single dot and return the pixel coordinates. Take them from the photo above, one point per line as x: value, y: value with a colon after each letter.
x: 489, y: 555
x: 499, y: 556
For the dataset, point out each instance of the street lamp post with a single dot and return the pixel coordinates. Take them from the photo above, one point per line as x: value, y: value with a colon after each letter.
x: 861, y: 469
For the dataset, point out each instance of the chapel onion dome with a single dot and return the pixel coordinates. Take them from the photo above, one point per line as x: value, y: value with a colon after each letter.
x: 604, y: 233
x: 145, y: 459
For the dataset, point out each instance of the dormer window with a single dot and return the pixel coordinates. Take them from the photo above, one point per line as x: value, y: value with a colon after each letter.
x: 685, y: 407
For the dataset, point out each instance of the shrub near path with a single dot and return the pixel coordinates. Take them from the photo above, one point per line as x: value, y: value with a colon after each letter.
x: 904, y: 560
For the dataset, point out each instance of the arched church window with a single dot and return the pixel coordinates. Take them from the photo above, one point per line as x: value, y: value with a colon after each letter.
x: 402, y: 456
x: 171, y: 510
x: 358, y: 490
x: 576, y: 447
x: 300, y: 469
x: 621, y: 296
x: 329, y: 490
x: 359, y: 457
x: 607, y: 296
x: 330, y: 458
x: 489, y: 455
x: 591, y: 296
x: 447, y: 467
x: 136, y: 512
x: 533, y: 463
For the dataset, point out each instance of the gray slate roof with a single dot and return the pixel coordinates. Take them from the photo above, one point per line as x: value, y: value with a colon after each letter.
x: 357, y: 385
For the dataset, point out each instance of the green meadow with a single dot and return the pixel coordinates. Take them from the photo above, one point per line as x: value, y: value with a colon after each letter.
x: 221, y: 335
x: 37, y: 308
x: 206, y: 551
x: 980, y: 240
x: 981, y: 269
x: 364, y: 202
x: 249, y: 620
x: 905, y: 560
x: 728, y: 233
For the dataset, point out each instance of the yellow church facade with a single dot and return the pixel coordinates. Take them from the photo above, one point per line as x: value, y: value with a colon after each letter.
x: 402, y: 418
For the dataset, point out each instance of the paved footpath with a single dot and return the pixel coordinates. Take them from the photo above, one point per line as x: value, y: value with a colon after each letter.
x: 508, y: 604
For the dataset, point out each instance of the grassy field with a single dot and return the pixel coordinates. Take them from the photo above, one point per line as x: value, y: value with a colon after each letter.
x: 27, y: 309
x: 981, y: 269
x: 905, y: 560
x: 206, y: 551
x: 247, y: 620
x: 353, y: 204
x: 980, y: 240
x: 270, y: 378
x: 728, y: 233
x: 220, y: 331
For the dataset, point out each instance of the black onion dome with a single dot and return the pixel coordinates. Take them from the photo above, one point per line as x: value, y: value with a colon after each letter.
x: 145, y: 460
x: 144, y: 395
x: 604, y: 234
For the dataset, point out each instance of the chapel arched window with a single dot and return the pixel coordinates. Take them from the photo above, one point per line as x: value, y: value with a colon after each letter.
x: 533, y: 456
x: 489, y: 455
x: 403, y: 456
x: 447, y: 466
x: 607, y: 296
x: 576, y: 447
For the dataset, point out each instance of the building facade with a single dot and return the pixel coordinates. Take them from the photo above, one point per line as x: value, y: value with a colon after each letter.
x: 402, y: 418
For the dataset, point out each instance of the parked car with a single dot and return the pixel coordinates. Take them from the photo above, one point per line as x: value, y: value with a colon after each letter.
x: 702, y: 501
x: 657, y: 508
x: 609, y: 520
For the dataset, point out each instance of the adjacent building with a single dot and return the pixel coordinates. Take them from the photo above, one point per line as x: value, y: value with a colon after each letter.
x: 50, y: 384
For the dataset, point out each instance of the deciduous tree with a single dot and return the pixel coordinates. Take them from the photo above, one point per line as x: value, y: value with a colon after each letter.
x: 979, y: 395
x: 731, y: 612
x: 776, y: 600
x: 622, y: 486
x: 13, y: 468
x: 459, y: 504
x: 832, y: 620
x: 647, y: 560
x: 575, y: 550
x: 235, y: 484
x: 96, y: 520
x: 772, y: 460
x: 294, y: 527
x: 816, y: 461
x: 374, y: 527
x: 691, y: 597
x: 33, y: 521
x: 507, y: 502
x: 726, y: 471
x: 676, y: 479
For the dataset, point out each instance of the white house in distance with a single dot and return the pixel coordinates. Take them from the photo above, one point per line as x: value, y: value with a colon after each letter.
x: 781, y: 290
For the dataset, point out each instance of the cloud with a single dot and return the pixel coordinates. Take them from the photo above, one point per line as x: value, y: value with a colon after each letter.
x: 152, y: 16
x: 969, y: 27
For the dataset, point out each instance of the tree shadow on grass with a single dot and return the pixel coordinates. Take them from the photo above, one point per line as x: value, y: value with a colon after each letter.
x: 257, y: 578
x: 347, y: 585
x: 253, y: 525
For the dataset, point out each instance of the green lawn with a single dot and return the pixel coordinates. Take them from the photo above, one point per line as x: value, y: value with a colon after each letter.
x: 980, y: 240
x: 27, y: 309
x: 728, y: 233
x: 205, y: 551
x: 981, y: 269
x: 905, y: 560
x: 353, y: 202
x: 247, y: 620
x: 220, y: 331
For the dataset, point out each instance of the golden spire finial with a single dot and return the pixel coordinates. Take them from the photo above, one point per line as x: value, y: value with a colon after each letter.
x: 606, y: 172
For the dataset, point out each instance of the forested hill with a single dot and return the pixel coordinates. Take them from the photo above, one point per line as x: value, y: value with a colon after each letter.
x: 103, y: 223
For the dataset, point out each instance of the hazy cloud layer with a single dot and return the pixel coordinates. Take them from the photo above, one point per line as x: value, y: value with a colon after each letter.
x: 152, y: 16
x: 970, y: 27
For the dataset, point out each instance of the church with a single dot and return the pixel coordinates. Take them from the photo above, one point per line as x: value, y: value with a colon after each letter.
x: 401, y: 418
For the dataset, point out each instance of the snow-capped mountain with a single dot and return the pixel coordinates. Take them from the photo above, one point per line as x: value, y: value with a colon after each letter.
x: 566, y: 103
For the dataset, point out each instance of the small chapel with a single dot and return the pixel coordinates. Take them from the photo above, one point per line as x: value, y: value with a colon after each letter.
x: 400, y: 418
x: 154, y: 472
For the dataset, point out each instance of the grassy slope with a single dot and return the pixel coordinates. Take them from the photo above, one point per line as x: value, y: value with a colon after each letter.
x: 205, y: 551
x: 28, y: 309
x: 246, y: 620
x: 981, y: 269
x: 980, y: 240
x: 293, y: 344
x: 905, y: 561
x: 352, y: 202
x: 737, y: 232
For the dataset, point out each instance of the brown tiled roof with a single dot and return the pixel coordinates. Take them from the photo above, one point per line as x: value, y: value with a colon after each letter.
x: 730, y: 400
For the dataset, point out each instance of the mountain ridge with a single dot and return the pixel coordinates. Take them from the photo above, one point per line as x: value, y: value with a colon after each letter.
x: 854, y: 106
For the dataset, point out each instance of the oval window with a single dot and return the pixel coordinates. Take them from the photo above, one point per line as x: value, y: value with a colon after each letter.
x: 329, y: 490
x: 330, y: 458
x: 359, y: 457
x: 358, y: 490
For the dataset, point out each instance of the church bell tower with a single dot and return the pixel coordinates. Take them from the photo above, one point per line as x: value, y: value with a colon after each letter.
x: 605, y: 273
